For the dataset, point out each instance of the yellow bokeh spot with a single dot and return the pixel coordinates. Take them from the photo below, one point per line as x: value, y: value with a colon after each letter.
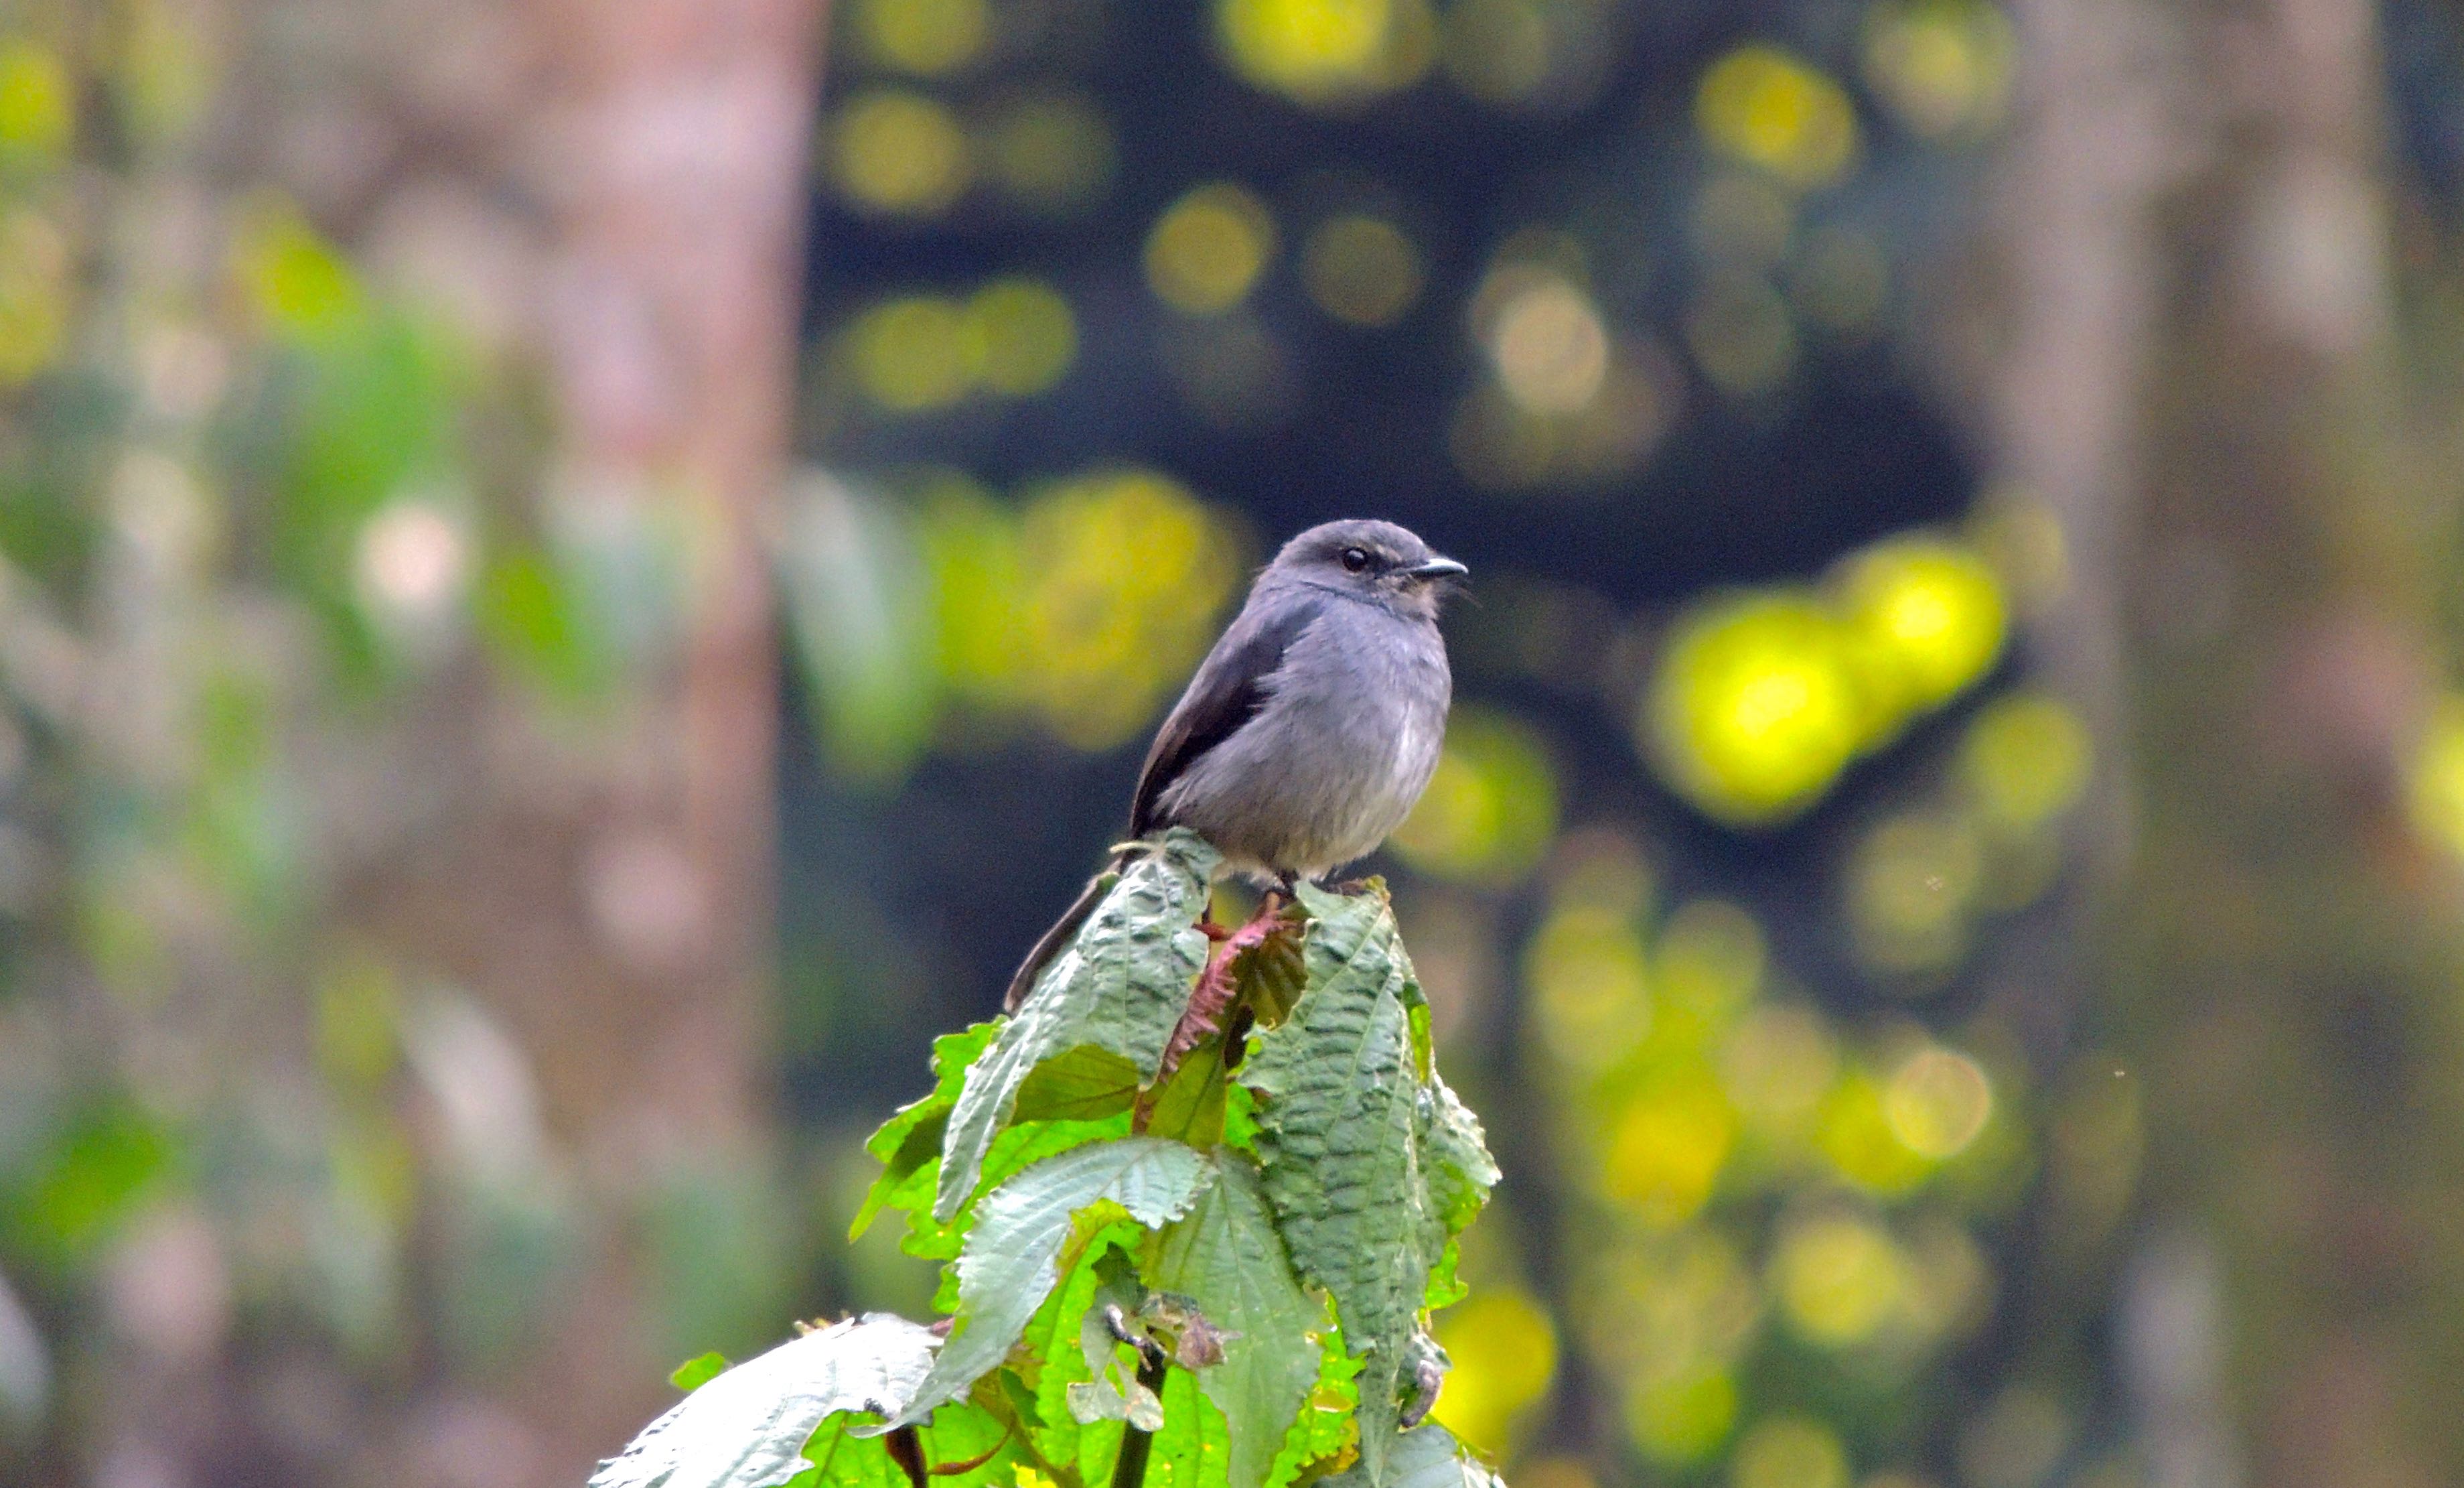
x: 1208, y: 248
x: 33, y: 295
x: 1026, y: 1477
x: 1683, y: 1414
x: 1504, y: 1353
x: 1741, y: 334
x: 1763, y: 106
x: 37, y: 102
x: 913, y: 353
x: 1789, y: 1452
x: 1853, y: 1132
x: 1665, y: 1149
x: 1709, y: 966
x: 899, y: 154
x: 924, y: 36
x: 2025, y: 761
x: 1053, y: 151
x: 1361, y: 269
x: 2435, y: 777
x: 1841, y: 279
x: 1490, y: 809
x: 1741, y: 219
x: 1499, y: 51
x: 1777, y: 1066
x: 1937, y: 1101
x: 297, y: 280
x: 1839, y: 1278
x: 1926, y: 619
x: 970, y: 545
x: 1324, y: 51
x: 1020, y: 335
x: 1753, y: 712
x: 1101, y: 640
x: 1943, y: 65
x: 1912, y: 883
x: 1550, y: 346
x: 1590, y: 980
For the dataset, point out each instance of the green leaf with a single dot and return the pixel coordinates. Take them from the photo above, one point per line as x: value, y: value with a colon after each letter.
x: 1425, y: 1457
x: 1054, y: 1360
x: 1226, y: 1256
x: 748, y: 1427
x: 1008, y: 1264
x: 1190, y: 1449
x: 958, y: 1431
x: 694, y: 1374
x: 1326, y: 1430
x: 1020, y: 1148
x: 1461, y: 1171
x: 1189, y: 1106
x: 1340, y: 1131
x: 1085, y: 1084
x: 911, y: 1137
x: 1120, y: 986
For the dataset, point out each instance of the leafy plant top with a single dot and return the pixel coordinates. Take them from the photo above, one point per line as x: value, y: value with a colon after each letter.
x: 1193, y: 1208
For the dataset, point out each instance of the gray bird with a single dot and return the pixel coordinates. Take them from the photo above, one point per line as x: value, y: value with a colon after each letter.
x: 1313, y: 726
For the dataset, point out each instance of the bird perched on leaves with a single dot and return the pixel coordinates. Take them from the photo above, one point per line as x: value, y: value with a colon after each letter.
x: 1313, y: 726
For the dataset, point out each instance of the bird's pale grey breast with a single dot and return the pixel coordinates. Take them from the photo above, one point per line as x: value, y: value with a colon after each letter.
x: 1333, y: 758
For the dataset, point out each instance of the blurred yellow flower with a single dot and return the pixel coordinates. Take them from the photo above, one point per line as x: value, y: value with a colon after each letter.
x: 1789, y: 1452
x: 1839, y: 1278
x: 1325, y: 51
x: 33, y: 295
x: 1208, y: 248
x: 899, y: 153
x: 1504, y: 1353
x: 1925, y: 618
x: 2025, y: 760
x: 1021, y: 336
x: 1708, y: 967
x: 1682, y: 1416
x: 37, y: 102
x: 1763, y: 106
x: 1103, y: 640
x: 1588, y: 975
x: 295, y: 278
x: 1361, y: 269
x: 1937, y: 1101
x: 1912, y: 883
x: 1052, y: 151
x: 1753, y: 711
x: 1777, y: 1066
x: 1855, y: 1134
x: 1550, y: 346
x: 912, y: 354
x: 1943, y: 66
x: 2434, y: 776
x: 924, y: 36
x: 1666, y: 1147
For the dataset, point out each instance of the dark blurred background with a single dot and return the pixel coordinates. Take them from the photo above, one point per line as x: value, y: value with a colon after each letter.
x: 578, y: 580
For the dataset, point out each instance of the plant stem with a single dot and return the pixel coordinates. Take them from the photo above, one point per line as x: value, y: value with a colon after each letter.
x: 1130, y: 1468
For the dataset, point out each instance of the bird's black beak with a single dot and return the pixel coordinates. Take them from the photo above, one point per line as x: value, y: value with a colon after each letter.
x: 1438, y: 569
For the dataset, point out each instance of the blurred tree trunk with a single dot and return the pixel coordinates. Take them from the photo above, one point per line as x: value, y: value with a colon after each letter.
x: 2213, y: 399
x: 608, y: 888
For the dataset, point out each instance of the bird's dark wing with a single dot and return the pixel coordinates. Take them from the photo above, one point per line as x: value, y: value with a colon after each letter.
x: 1227, y: 692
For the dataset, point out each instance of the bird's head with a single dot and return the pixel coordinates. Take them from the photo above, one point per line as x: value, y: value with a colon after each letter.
x: 1377, y: 561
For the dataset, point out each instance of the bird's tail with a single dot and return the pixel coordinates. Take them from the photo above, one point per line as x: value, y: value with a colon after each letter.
x: 1023, y: 980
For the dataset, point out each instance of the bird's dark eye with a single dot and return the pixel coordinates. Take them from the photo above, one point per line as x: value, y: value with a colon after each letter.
x: 1356, y: 558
